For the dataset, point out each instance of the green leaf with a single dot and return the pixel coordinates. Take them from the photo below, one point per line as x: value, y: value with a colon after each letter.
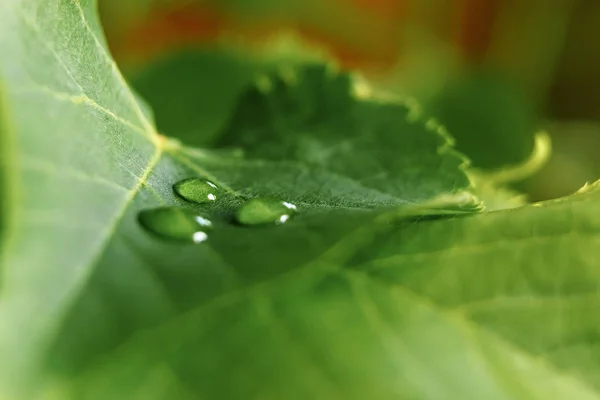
x: 78, y: 269
x: 491, y: 118
x: 193, y: 92
x: 358, y: 296
x: 316, y: 117
x: 80, y: 147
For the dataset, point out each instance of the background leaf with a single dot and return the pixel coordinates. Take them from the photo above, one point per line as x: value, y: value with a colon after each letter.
x: 493, y: 122
x: 341, y: 302
x: 194, y: 92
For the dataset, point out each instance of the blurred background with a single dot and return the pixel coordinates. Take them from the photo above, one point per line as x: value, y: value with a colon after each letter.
x: 493, y: 71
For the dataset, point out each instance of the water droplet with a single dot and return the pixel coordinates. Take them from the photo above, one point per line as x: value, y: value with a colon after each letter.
x: 196, y: 190
x: 265, y: 211
x: 176, y: 223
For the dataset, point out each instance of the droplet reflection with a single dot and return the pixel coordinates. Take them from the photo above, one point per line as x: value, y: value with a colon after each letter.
x: 176, y: 223
x: 196, y: 190
x: 265, y: 211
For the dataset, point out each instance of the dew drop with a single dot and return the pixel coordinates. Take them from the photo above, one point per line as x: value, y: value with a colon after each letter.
x: 196, y: 190
x: 176, y: 223
x: 265, y: 211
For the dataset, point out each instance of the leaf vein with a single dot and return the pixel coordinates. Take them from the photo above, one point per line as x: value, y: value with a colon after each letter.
x: 117, y: 74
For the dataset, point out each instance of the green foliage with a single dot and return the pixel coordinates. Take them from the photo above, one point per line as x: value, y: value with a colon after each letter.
x: 491, y: 119
x: 366, y: 293
x: 194, y: 92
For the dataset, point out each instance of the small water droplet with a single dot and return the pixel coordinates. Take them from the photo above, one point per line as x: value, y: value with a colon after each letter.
x: 176, y: 223
x: 265, y: 211
x: 196, y: 190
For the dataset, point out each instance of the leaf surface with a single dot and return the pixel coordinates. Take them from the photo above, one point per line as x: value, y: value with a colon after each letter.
x: 350, y: 299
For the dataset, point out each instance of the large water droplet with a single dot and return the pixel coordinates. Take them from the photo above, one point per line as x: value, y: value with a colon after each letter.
x: 176, y: 223
x: 265, y: 211
x: 196, y: 190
